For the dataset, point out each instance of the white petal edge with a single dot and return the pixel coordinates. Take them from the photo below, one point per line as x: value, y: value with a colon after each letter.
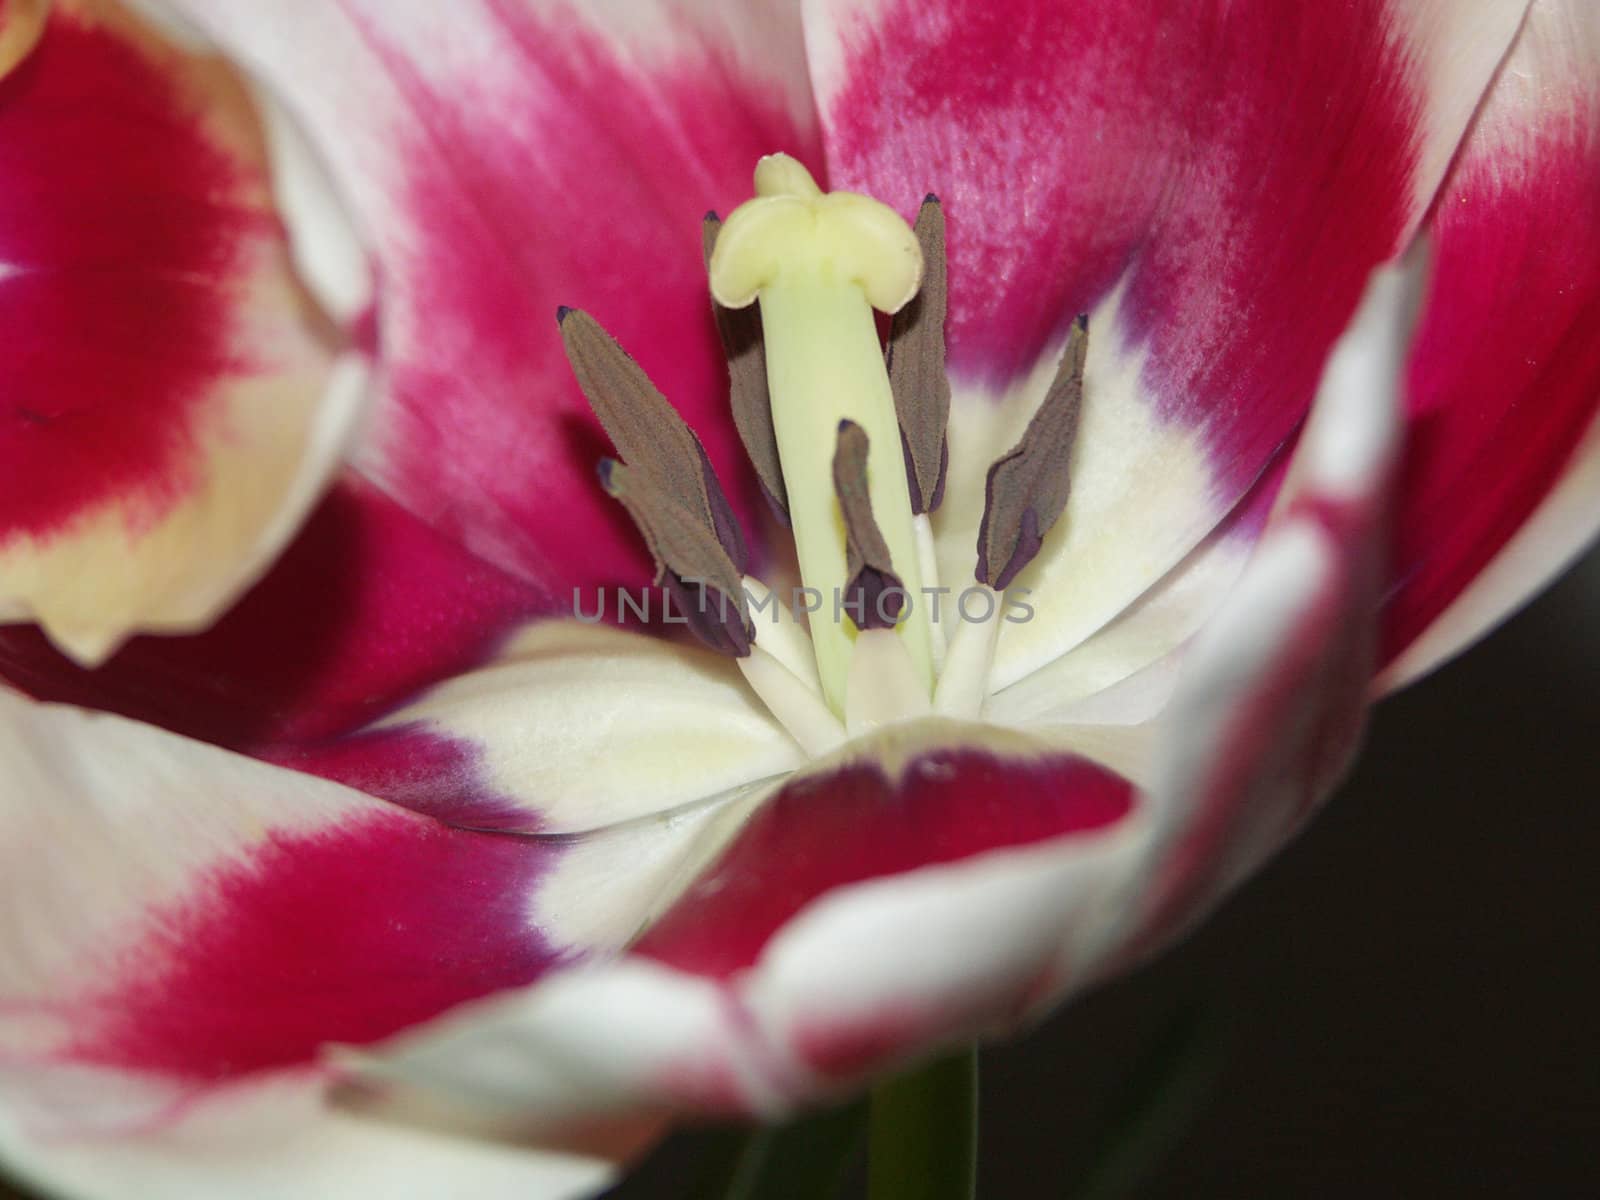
x: 1558, y: 533
x: 323, y: 242
x: 278, y: 1140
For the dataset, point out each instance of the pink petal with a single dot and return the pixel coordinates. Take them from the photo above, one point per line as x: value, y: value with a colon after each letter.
x: 1505, y: 383
x: 830, y: 828
x: 502, y: 161
x: 1211, y: 182
x: 226, y: 945
x: 347, y: 934
x: 160, y: 341
x: 190, y: 931
x: 365, y: 608
x: 184, y: 917
x: 1241, y: 166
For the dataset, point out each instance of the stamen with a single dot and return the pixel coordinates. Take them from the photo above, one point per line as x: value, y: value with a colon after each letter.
x: 740, y: 331
x: 916, y: 368
x: 782, y: 671
x: 795, y: 706
x: 819, y: 264
x: 884, y: 685
x: 964, y: 679
x: 922, y: 397
x: 647, y: 431
x: 690, y: 559
x: 928, y: 561
x: 1027, y: 487
x: 780, y: 632
x: 873, y: 593
x: 673, y: 496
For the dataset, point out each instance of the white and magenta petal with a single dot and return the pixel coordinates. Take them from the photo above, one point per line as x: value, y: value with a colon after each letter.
x: 574, y: 727
x: 1271, y: 704
x: 367, y: 607
x: 1210, y: 182
x: 186, y: 930
x: 937, y: 881
x: 177, y: 401
x: 186, y: 917
x: 927, y: 887
x: 1505, y: 382
x: 504, y: 157
x: 921, y: 895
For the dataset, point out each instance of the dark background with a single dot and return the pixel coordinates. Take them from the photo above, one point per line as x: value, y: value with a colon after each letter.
x: 1402, y: 1005
x: 1406, y: 999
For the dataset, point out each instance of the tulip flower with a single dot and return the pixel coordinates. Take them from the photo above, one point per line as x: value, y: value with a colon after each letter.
x: 1266, y: 380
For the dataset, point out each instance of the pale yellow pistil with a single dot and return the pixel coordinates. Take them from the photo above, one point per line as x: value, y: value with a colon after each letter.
x: 819, y: 264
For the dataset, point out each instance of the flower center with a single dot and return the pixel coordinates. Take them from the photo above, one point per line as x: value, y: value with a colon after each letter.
x: 849, y: 446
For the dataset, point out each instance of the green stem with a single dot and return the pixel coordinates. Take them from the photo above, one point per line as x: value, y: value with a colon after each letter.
x: 1167, y: 1085
x: 804, y: 1160
x: 924, y: 1133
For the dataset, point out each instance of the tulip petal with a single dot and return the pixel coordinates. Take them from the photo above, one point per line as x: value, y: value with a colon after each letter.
x: 919, y: 889
x: 175, y: 399
x: 1210, y: 182
x: 366, y: 607
x: 278, y: 1140
x: 1549, y: 541
x: 505, y: 157
x: 176, y: 965
x: 574, y: 727
x: 1505, y: 383
x: 1271, y: 704
x: 179, y: 917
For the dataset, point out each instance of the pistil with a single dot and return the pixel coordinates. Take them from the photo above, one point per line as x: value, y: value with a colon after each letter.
x: 820, y: 264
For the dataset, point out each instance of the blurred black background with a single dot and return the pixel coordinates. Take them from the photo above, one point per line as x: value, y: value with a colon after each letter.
x: 1402, y: 1005
x: 1406, y: 999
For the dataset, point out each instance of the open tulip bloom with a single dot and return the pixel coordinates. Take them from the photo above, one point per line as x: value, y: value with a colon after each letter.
x: 1007, y: 507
